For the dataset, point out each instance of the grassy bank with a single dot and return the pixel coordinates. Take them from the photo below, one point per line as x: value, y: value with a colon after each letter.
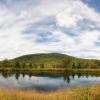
x: 53, y: 69
x: 86, y: 93
x: 57, y: 70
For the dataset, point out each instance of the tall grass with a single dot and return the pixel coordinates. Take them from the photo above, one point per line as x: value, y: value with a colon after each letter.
x: 80, y: 93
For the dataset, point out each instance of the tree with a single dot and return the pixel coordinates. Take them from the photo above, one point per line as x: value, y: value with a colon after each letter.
x: 42, y: 65
x: 65, y: 63
x: 17, y: 64
x: 30, y: 65
x: 6, y: 64
x: 23, y: 65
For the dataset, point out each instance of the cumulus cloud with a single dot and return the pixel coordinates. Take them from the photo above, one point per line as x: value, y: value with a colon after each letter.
x: 38, y: 26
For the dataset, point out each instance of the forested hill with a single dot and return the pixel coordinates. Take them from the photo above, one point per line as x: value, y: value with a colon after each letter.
x: 50, y: 60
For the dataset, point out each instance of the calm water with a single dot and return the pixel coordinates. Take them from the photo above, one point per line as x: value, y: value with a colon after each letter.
x: 45, y: 82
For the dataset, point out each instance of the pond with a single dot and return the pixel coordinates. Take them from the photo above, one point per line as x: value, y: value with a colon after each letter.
x: 46, y: 82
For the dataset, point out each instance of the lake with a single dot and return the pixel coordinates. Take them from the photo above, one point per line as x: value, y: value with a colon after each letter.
x: 45, y: 81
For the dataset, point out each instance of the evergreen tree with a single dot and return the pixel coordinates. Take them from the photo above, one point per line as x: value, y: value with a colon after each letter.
x: 23, y: 65
x: 30, y: 65
x: 17, y: 64
x: 6, y: 64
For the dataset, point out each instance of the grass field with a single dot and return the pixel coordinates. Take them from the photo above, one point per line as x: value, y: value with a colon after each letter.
x: 79, y: 93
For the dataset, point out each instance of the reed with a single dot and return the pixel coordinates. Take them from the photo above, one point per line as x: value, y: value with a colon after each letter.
x: 79, y: 93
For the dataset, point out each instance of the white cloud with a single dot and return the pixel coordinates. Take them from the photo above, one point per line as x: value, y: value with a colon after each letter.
x: 76, y: 10
x: 15, y: 19
x: 71, y: 16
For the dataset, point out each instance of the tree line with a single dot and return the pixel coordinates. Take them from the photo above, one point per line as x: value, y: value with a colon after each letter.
x: 68, y: 64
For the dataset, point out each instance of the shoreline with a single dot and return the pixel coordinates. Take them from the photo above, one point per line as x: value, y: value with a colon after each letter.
x: 51, y: 69
x: 53, y: 72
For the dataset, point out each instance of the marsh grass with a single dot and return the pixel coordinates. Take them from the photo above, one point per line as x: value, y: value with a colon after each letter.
x: 79, y: 93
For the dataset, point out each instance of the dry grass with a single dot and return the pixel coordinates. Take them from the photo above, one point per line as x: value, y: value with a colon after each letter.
x: 89, y: 93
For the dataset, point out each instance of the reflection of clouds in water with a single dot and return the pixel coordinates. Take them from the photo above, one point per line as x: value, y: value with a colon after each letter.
x: 41, y: 83
x: 45, y: 83
x: 8, y: 82
x: 27, y: 82
x: 83, y: 80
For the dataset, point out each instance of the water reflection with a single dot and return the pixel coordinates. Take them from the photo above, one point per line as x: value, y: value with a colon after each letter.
x: 46, y: 81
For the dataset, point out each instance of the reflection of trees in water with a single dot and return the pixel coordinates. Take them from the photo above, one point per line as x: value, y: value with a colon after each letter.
x: 30, y: 75
x: 17, y: 76
x: 87, y: 75
x: 67, y: 76
x: 73, y: 75
x: 23, y: 74
x: 79, y: 75
x: 6, y: 74
x: 83, y: 74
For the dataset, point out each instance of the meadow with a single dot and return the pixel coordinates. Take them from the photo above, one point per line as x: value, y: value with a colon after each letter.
x: 78, y: 93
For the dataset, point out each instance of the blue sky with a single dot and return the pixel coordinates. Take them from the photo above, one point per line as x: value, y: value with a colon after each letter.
x: 42, y: 26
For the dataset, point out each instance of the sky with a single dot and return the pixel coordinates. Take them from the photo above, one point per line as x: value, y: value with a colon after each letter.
x: 70, y: 27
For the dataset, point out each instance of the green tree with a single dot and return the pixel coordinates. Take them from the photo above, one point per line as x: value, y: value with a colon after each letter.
x: 23, y: 65
x: 30, y: 65
x: 42, y: 65
x: 6, y: 64
x: 17, y: 64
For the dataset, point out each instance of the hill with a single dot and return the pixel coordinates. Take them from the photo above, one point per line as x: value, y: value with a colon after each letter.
x: 50, y: 60
x: 43, y: 60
